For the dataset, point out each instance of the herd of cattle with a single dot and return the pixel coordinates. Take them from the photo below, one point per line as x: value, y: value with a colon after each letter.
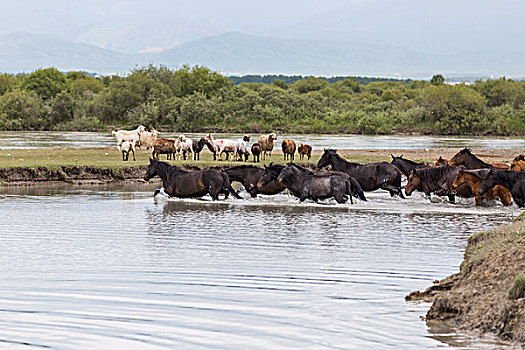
x: 182, y: 146
x: 464, y: 175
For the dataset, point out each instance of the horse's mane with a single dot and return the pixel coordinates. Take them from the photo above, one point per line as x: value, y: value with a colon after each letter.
x: 432, y: 175
x: 304, y: 170
x: 409, y: 161
x: 166, y: 168
x: 244, y: 166
x: 338, y: 157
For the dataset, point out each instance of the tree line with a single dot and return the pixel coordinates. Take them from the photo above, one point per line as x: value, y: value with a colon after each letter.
x: 197, y: 99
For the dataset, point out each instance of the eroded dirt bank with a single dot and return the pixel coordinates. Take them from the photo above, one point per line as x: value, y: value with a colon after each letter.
x: 488, y: 295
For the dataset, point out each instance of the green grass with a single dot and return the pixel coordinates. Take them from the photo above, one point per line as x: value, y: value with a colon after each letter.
x: 109, y: 157
x: 482, y: 244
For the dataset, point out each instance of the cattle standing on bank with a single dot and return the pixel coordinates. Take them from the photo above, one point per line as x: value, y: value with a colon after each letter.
x: 146, y: 138
x: 266, y: 143
x: 197, y: 148
x: 288, y: 147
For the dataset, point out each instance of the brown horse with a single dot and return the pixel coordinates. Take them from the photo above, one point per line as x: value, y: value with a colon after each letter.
x: 466, y: 158
x: 517, y: 165
x: 474, y: 180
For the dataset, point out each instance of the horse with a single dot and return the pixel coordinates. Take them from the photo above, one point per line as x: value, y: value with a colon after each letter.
x: 517, y: 164
x: 249, y: 176
x: 436, y: 179
x: 184, y: 184
x: 474, y: 179
x: 440, y: 161
x: 466, y: 158
x: 511, y: 180
x: 371, y: 176
x: 307, y: 185
x: 406, y: 165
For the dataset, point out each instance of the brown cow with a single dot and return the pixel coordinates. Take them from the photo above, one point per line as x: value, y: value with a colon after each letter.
x: 289, y: 148
x: 164, y: 146
x: 304, y: 150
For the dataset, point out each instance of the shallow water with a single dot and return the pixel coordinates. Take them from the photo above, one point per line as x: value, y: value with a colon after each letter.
x: 108, y: 267
x: 13, y: 140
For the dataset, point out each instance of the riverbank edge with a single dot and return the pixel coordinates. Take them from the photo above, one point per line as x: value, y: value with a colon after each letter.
x: 487, y: 296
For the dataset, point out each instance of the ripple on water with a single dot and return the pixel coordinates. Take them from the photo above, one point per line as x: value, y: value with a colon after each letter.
x: 110, y: 268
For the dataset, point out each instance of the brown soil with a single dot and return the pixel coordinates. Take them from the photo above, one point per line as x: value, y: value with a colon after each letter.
x: 477, y: 299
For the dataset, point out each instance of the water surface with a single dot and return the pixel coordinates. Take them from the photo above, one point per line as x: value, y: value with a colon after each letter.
x: 109, y: 267
x: 13, y: 140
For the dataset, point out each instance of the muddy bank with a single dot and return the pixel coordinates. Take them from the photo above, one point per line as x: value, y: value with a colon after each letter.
x: 26, y: 176
x: 72, y: 174
x: 487, y: 296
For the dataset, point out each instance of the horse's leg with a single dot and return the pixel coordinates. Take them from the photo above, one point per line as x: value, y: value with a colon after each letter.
x: 478, y: 200
x: 451, y: 198
x: 133, y: 151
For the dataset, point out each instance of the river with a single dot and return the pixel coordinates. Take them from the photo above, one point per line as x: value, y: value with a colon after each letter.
x: 109, y: 267
x: 14, y: 140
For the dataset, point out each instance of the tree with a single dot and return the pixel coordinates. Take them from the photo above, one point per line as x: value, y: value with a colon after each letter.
x: 437, y: 80
x: 47, y: 83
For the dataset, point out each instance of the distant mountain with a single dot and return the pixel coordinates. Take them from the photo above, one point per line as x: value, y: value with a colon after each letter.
x: 23, y: 51
x: 237, y: 53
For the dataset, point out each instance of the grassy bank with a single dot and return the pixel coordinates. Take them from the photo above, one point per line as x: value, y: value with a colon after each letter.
x: 109, y: 157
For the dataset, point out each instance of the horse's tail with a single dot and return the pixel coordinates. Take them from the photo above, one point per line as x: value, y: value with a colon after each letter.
x: 227, y: 186
x: 354, y: 189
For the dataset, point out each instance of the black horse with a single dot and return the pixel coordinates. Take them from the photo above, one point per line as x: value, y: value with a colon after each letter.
x: 514, y: 181
x: 184, y: 184
x: 307, y: 185
x: 249, y: 176
x: 197, y: 148
x: 406, y: 165
x: 371, y: 176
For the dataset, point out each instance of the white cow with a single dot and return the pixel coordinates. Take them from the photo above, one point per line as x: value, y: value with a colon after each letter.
x: 128, y: 135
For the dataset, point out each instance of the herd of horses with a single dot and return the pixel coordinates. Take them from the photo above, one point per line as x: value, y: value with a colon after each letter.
x: 464, y: 175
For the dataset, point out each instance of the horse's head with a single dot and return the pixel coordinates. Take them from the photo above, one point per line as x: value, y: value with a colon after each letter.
x: 266, y: 177
x: 517, y: 165
x: 520, y: 157
x: 325, y: 158
x: 141, y: 128
x: 460, y: 157
x: 414, y: 181
x: 459, y: 179
x: 287, y: 175
x: 488, y: 183
x: 152, y: 170
x: 208, y: 138
x: 246, y: 138
x: 272, y: 136
x: 441, y: 161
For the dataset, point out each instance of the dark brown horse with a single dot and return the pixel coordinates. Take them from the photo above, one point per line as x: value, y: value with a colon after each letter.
x: 512, y: 180
x: 466, y: 158
x: 249, y: 176
x: 436, y: 180
x: 184, y: 184
x: 474, y: 179
x: 371, y: 176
